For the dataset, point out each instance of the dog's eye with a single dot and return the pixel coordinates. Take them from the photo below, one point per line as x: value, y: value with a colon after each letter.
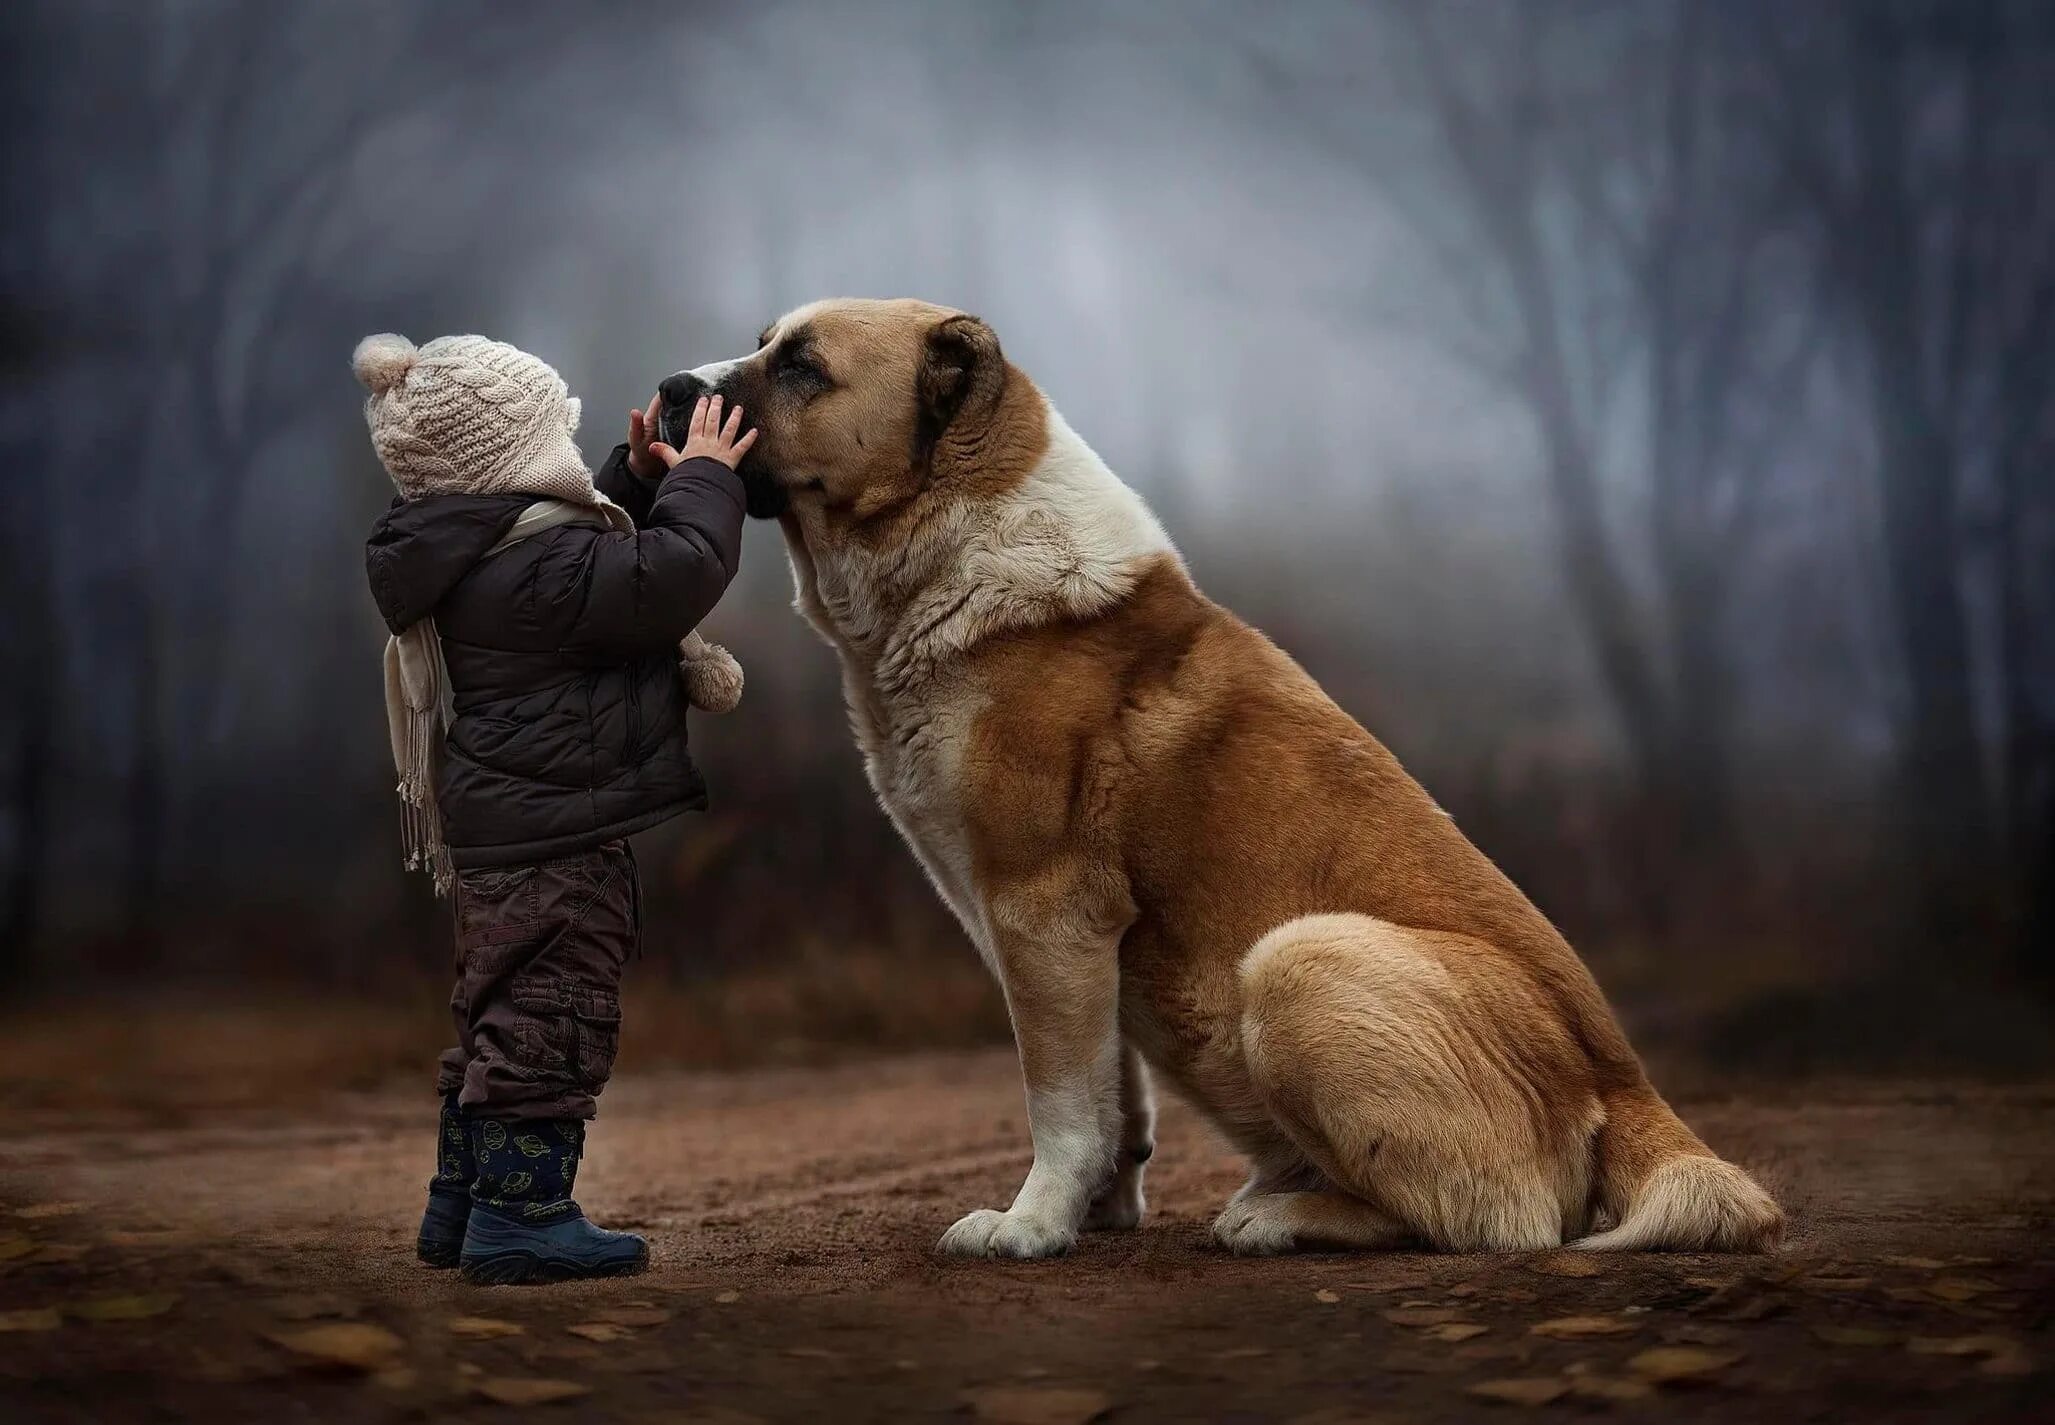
x: 798, y: 366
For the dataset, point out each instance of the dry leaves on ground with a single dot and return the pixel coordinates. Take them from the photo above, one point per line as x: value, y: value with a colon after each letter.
x: 634, y: 1313
x: 123, y: 1308
x: 1422, y: 1315
x: 484, y: 1328
x: 1582, y: 1328
x: 37, y: 1211
x: 528, y: 1390
x: 1327, y: 1295
x: 1854, y: 1335
x: 1566, y: 1264
x: 342, y: 1345
x: 1956, y: 1290
x: 728, y: 1298
x: 1036, y: 1405
x: 1454, y: 1331
x: 600, y: 1331
x: 1609, y: 1388
x: 1531, y: 1390
x: 1671, y: 1365
x: 2001, y: 1355
x: 35, y: 1318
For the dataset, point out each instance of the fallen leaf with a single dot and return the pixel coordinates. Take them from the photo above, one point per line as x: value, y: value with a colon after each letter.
x: 1566, y: 1264
x: 2002, y: 1356
x: 1422, y: 1315
x: 1461, y: 1289
x: 1853, y: 1336
x: 1590, y: 1387
x: 1581, y: 1328
x: 35, y: 1318
x: 1532, y: 1390
x: 1958, y: 1289
x: 309, y: 1306
x: 349, y: 1345
x: 1454, y: 1331
x: 600, y: 1331
x: 123, y: 1308
x: 1327, y: 1296
x: 728, y: 1298
x: 37, y: 1211
x: 1036, y: 1405
x: 528, y: 1390
x: 1668, y: 1365
x: 1918, y: 1264
x: 484, y: 1328
x: 635, y: 1313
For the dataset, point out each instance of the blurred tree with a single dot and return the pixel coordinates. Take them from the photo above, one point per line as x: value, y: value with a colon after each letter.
x: 1612, y: 262
x: 1913, y: 135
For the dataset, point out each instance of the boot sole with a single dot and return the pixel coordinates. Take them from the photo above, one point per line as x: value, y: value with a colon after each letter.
x: 525, y: 1269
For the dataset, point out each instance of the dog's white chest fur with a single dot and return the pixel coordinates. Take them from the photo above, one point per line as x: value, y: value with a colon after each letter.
x: 1066, y: 543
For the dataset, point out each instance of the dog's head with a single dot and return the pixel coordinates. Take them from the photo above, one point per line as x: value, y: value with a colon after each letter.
x: 859, y: 405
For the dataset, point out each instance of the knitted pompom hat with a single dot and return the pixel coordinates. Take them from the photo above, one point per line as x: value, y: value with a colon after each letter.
x: 465, y: 415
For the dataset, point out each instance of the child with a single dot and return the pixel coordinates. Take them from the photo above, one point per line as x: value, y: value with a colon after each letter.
x: 538, y: 719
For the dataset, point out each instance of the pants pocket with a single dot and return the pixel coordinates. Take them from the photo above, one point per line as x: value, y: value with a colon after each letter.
x: 596, y: 1021
x: 543, y: 1032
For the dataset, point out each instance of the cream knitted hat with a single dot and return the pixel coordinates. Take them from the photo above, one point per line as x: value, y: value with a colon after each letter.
x: 465, y: 415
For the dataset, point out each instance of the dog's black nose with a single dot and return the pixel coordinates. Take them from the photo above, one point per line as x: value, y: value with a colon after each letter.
x: 681, y: 390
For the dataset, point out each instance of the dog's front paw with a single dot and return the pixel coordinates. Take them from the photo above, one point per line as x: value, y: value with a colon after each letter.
x: 990, y: 1233
x: 1253, y: 1229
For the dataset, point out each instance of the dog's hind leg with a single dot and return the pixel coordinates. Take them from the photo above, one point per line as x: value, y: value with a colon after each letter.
x: 1420, y: 1076
x: 1264, y: 1224
x: 1120, y: 1204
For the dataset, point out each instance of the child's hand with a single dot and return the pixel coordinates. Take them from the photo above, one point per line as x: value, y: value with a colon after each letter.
x: 642, y: 426
x: 707, y: 436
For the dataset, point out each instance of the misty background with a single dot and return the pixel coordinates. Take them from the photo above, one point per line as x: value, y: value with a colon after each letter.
x: 1639, y: 415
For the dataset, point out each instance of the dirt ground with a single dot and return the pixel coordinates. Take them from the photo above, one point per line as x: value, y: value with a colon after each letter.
x: 241, y: 1263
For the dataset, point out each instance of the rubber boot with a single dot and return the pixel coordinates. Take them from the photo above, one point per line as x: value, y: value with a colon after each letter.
x: 449, y: 1191
x: 524, y: 1225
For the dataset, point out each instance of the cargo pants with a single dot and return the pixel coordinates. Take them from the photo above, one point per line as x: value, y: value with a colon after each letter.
x: 540, y: 951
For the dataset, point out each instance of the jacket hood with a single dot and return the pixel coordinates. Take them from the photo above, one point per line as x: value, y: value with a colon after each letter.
x: 420, y: 549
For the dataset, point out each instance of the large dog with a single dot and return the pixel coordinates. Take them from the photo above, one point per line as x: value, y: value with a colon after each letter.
x: 1174, y: 850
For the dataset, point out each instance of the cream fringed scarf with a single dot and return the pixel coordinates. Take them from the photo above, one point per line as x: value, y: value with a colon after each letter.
x: 417, y: 690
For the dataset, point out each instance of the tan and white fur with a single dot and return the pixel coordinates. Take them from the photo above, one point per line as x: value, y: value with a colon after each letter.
x: 1176, y: 853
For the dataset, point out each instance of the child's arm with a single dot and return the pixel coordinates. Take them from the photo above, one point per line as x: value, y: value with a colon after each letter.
x: 645, y: 591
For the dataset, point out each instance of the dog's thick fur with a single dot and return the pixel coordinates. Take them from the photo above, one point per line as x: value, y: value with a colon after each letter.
x: 1174, y: 850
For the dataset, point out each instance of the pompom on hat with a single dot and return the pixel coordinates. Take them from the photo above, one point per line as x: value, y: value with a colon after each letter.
x: 466, y: 415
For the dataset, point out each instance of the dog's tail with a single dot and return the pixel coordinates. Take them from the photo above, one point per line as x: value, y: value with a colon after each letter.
x: 1665, y: 1189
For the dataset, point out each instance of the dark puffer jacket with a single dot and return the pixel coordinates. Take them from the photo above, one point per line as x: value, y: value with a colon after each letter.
x: 563, y: 654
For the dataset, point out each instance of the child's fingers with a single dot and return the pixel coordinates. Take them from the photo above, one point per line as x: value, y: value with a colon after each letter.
x: 742, y: 445
x: 713, y: 419
x: 664, y: 453
x: 655, y: 409
x: 734, y: 424
x: 698, y: 418
x: 637, y: 427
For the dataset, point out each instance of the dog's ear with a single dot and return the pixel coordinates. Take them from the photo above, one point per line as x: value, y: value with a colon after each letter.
x: 962, y: 373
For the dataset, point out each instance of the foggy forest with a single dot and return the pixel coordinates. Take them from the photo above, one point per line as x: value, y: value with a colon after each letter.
x: 1640, y: 416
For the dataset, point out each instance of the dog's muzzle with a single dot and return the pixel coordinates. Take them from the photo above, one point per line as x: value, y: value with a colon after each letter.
x: 764, y: 497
